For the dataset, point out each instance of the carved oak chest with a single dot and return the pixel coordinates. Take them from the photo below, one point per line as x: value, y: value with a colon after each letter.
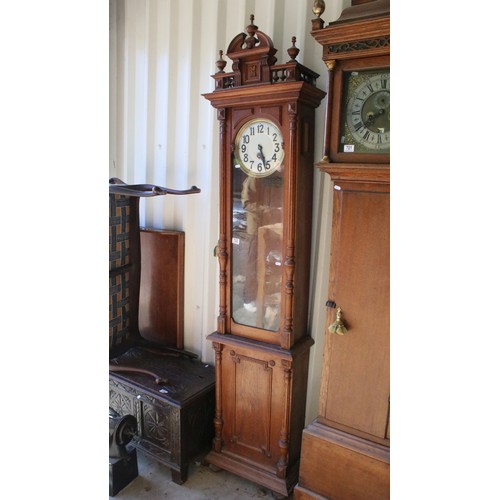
x: 175, y: 418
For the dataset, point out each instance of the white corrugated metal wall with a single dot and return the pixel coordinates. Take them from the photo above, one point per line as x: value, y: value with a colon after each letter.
x: 162, y: 131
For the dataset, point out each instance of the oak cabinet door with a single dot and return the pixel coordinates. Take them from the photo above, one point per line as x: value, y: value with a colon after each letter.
x: 355, y: 383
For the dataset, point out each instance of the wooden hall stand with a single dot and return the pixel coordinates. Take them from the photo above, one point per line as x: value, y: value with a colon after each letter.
x: 345, y: 450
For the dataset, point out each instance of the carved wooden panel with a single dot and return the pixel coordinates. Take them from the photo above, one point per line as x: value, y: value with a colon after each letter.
x: 251, y: 72
x: 157, y: 423
x: 252, y: 402
x: 251, y: 411
x: 121, y: 400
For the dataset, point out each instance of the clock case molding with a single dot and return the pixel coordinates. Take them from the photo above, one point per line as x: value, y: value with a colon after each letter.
x: 261, y: 375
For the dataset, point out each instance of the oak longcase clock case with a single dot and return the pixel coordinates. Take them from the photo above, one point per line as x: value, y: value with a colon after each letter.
x: 266, y: 132
x: 345, y: 450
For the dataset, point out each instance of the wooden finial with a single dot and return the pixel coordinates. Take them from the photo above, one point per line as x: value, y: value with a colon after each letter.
x: 221, y: 64
x: 293, y: 51
x: 250, y: 40
x: 251, y: 28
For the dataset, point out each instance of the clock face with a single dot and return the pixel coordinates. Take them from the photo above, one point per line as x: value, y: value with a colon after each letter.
x: 366, y: 112
x: 259, y: 148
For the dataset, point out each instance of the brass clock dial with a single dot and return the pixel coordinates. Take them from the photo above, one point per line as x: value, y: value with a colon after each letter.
x: 366, y: 112
x: 258, y: 147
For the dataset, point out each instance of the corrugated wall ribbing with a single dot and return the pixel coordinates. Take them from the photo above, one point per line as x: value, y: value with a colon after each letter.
x: 162, y: 53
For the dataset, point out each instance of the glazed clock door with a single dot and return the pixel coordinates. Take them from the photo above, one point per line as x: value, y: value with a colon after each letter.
x: 355, y: 387
x: 257, y: 231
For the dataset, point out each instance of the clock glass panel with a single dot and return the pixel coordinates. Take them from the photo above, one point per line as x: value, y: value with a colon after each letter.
x: 256, y: 243
x: 365, y: 125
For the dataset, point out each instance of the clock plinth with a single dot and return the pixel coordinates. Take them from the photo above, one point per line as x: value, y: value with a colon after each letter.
x: 266, y: 130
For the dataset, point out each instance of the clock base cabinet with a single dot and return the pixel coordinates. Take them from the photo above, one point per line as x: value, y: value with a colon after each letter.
x: 260, y: 410
x: 338, y: 465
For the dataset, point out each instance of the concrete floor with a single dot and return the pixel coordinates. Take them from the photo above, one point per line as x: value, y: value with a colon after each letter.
x: 155, y: 483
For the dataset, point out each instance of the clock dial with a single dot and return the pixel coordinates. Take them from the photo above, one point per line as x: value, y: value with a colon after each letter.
x: 259, y: 148
x: 366, y: 116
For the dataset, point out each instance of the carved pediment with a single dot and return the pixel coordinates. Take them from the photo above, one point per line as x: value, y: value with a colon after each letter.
x: 252, y: 55
x: 254, y: 62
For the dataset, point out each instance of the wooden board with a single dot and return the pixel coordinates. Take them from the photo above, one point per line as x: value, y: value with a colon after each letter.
x: 161, y: 298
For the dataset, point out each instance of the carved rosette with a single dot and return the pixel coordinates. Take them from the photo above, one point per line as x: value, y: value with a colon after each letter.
x: 156, y: 424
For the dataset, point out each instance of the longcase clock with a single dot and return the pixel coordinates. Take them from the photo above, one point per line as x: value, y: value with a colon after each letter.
x: 266, y: 119
x: 345, y: 450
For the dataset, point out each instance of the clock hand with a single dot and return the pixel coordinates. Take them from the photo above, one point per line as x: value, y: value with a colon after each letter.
x: 260, y: 155
x: 373, y: 116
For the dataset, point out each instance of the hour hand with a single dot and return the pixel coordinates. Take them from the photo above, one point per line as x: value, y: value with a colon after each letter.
x: 260, y: 154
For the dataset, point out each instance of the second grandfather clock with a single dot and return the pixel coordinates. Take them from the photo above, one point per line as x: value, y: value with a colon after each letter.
x: 345, y: 450
x: 266, y: 119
